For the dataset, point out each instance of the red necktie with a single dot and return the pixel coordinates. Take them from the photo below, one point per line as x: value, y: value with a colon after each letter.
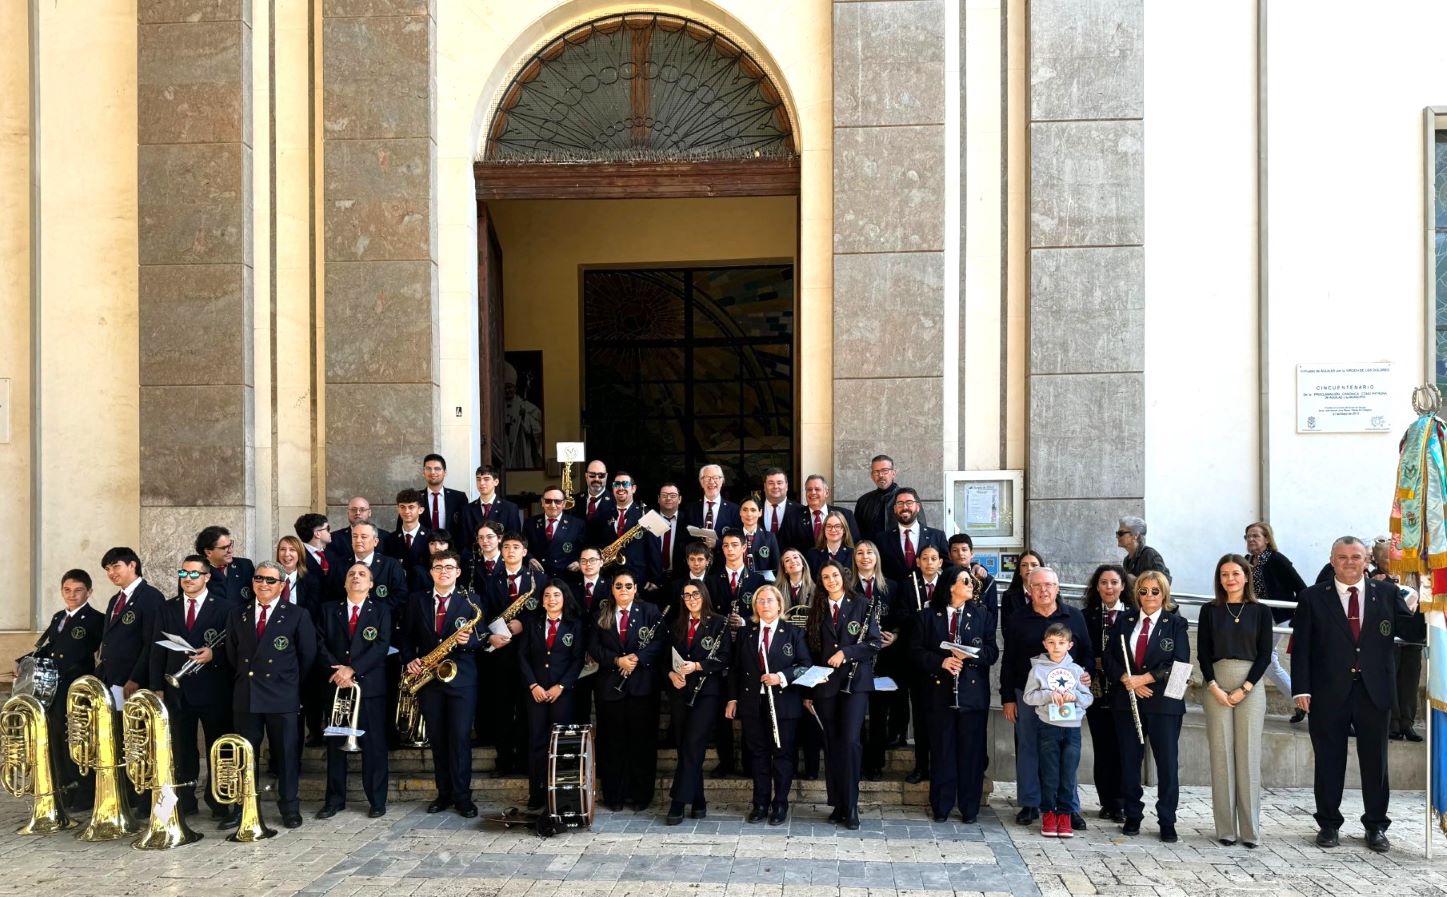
x: 551, y: 524
x: 692, y: 629
x: 286, y: 590
x: 352, y: 626
x: 835, y: 606
x: 120, y: 605
x: 818, y: 526
x: 955, y: 626
x: 588, y: 593
x: 1354, y: 614
x: 708, y: 518
x: 261, y: 622
x: 908, y: 550
x: 326, y: 564
x: 190, y: 613
x: 486, y: 509
x: 668, y: 546
x: 1140, y: 645
x: 734, y: 582
x: 774, y: 524
x: 929, y: 591
x: 441, y: 614
x: 490, y: 565
x: 869, y: 588
x: 1110, y: 623
x: 621, y: 514
x: 622, y: 628
x: 552, y: 633
x: 436, y: 518
x: 408, y: 537
x: 592, y: 506
x: 794, y: 593
x: 512, y: 585
x: 764, y: 664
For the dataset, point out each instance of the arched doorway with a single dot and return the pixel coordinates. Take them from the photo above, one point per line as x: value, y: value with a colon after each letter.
x: 641, y: 178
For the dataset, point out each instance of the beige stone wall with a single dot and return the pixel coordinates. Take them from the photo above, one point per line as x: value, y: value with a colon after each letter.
x: 545, y: 244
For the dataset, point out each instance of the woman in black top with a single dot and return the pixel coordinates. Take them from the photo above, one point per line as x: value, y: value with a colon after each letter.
x: 1016, y: 596
x: 1273, y: 578
x: 701, y: 637
x: 1105, y: 599
x: 1233, y: 642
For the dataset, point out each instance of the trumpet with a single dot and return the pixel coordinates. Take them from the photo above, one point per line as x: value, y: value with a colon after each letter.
x: 25, y: 764
x: 146, y: 733
x: 233, y: 781
x: 90, y: 737
x: 192, y: 664
x: 346, y: 709
x: 1135, y: 710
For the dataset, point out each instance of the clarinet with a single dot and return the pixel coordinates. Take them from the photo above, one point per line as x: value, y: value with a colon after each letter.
x: 712, y: 652
x: 869, y: 612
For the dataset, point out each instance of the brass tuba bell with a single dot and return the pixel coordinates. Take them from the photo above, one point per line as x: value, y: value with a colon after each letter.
x: 233, y: 781
x: 146, y: 733
x: 91, y: 738
x: 25, y: 764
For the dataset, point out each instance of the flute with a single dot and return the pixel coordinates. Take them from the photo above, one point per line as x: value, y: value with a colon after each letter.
x: 769, y: 690
x: 1135, y: 710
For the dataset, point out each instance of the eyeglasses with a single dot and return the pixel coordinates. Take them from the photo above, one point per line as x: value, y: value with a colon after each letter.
x: 712, y: 479
x: 552, y: 501
x: 1122, y: 532
x: 453, y: 567
x: 269, y: 580
x: 625, y: 586
x: 190, y: 574
x: 222, y: 547
x: 881, y: 470
x: 663, y: 495
x: 589, y: 560
x: 693, y: 593
x: 906, y: 503
x: 834, y: 526
x: 622, y: 484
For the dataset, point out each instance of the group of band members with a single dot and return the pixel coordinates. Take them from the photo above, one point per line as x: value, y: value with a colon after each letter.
x: 774, y: 588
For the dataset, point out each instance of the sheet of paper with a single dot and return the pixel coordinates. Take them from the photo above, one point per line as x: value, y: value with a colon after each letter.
x: 884, y: 683
x: 497, y: 627
x: 391, y: 649
x: 1178, y: 680
x: 165, y: 802
x: 678, y: 660
x: 343, y: 731
x: 967, y: 650
x: 174, y: 643
x: 654, y: 523
x: 590, y: 666
x: 813, y: 676
x: 982, y: 505
x: 118, y: 697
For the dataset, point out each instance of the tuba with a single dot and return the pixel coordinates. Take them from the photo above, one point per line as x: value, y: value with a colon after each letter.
x: 146, y: 733
x: 435, y: 664
x: 25, y: 764
x: 91, y: 738
x: 233, y: 781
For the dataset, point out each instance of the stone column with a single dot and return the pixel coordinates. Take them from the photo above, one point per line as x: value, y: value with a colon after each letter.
x: 889, y: 242
x: 382, y: 341
x: 1087, y: 278
x: 194, y: 114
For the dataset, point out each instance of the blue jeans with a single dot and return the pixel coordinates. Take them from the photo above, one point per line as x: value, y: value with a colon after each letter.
x: 1027, y: 764
x: 1058, y: 748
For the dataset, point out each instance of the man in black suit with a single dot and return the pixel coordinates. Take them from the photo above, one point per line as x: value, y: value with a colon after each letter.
x: 315, y: 534
x: 641, y: 555
x: 202, y: 700
x: 440, y: 504
x: 809, y: 522
x: 875, y: 508
x: 71, y: 640
x: 594, y: 496
x: 230, y: 575
x: 554, y: 538
x: 672, y: 544
x: 713, y: 511
x: 781, y: 516
x: 501, y: 707
x: 903, y: 541
x: 1344, y: 674
x: 730, y: 584
x: 488, y: 506
x: 355, y: 636
x: 389, y: 581
x: 130, y: 618
x: 359, y: 510
x: 271, y: 645
x: 432, y: 616
x: 409, y: 544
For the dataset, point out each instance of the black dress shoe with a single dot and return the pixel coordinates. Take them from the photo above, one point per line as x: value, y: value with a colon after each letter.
x: 1132, y: 827
x: 873, y: 775
x: 1026, y: 815
x: 837, y: 816
x: 758, y: 814
x: 1105, y: 813
x: 967, y: 820
x: 1168, y: 833
x: 851, y: 821
x: 376, y: 812
x: 291, y: 820
x: 1298, y: 716
x: 1411, y: 735
x: 328, y: 812
x: 700, y: 811
x: 915, y: 777
x: 1377, y: 841
x: 467, y: 810
x: 938, y: 818
x: 616, y: 808
x: 231, y: 820
x: 1227, y: 842
x: 1077, y: 822
x: 1328, y: 837
x: 1397, y: 736
x: 219, y: 813
x: 438, y: 805
x: 778, y: 816
x: 722, y: 772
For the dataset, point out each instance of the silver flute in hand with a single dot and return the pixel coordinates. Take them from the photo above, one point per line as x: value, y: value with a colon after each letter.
x: 1135, y: 710
x: 769, y: 691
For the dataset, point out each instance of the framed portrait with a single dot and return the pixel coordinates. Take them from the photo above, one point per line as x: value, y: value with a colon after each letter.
x: 522, y: 410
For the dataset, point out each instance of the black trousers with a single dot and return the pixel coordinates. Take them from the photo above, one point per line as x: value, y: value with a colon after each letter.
x: 628, y: 748
x: 1328, y: 722
x: 810, y: 745
x: 843, y: 719
x: 372, y: 720
x: 502, y: 715
x: 881, y: 707
x: 1106, y: 746
x: 919, y: 701
x: 1163, y: 734
x: 448, y: 713
x: 280, y: 731
x: 773, y: 768
x: 64, y: 770
x: 541, y: 719
x: 213, y: 721
x: 693, y: 725
x: 958, y: 776
x: 723, y: 739
x: 1409, y: 674
x: 316, y: 702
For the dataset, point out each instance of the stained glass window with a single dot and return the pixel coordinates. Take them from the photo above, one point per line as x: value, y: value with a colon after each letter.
x: 686, y: 367
x: 640, y: 87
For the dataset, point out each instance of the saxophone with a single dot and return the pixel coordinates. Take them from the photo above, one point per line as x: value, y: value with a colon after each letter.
x: 612, y: 553
x: 435, y: 664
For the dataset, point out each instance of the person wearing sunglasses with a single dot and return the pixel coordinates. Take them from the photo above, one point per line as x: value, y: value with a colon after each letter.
x: 1130, y: 537
x: 594, y: 496
x: 641, y: 556
x: 627, y: 641
x: 271, y: 645
x: 554, y: 538
x: 230, y: 575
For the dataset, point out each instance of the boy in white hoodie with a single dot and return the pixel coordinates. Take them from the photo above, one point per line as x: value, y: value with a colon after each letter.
x: 1054, y: 690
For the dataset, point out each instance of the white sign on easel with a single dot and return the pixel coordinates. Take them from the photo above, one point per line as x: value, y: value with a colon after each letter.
x: 570, y: 452
x: 1343, y: 398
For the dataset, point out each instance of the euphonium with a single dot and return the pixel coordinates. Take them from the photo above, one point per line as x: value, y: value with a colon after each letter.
x: 435, y: 664
x: 25, y: 764
x: 409, y: 721
x: 233, y: 781
x: 91, y: 738
x: 346, y: 708
x: 146, y: 731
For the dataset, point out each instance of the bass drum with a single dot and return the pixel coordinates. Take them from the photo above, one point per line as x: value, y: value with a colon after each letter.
x: 570, y: 776
x: 38, y: 678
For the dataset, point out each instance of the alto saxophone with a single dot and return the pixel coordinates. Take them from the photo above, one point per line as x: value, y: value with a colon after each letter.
x: 435, y: 664
x: 612, y: 553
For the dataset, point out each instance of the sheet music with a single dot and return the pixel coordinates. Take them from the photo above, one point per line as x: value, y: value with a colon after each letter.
x: 175, y: 643
x: 678, y: 661
x: 1177, y: 681
x: 813, y: 676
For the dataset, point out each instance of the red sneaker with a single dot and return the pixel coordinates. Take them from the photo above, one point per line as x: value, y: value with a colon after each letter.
x: 1063, y: 828
x: 1049, y: 823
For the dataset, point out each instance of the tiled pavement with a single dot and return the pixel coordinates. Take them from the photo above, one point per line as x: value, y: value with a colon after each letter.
x: 895, y: 853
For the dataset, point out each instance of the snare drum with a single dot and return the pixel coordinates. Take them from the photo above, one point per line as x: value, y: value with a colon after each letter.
x: 570, y: 776
x: 39, y: 678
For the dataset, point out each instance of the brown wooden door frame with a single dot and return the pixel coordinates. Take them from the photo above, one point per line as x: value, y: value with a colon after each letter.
x: 489, y: 338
